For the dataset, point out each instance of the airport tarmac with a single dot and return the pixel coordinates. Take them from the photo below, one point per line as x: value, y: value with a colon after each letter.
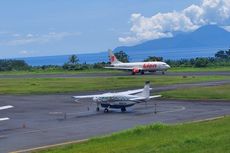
x: 84, y: 75
x: 38, y: 120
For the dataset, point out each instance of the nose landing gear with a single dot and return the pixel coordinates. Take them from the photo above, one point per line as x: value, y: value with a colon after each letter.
x: 106, y: 110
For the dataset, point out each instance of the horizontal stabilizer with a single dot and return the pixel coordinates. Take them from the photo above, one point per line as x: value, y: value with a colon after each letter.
x: 156, y: 96
x: 138, y: 99
x: 130, y: 92
x: 144, y: 98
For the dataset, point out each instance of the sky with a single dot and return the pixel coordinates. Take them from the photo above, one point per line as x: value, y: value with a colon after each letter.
x: 31, y: 28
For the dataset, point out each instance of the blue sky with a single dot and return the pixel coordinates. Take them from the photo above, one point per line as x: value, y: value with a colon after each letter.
x: 59, y: 27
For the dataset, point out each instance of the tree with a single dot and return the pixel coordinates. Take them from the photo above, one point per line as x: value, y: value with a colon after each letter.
x: 228, y: 53
x: 201, y: 62
x: 73, y: 59
x: 153, y: 58
x: 100, y: 65
x: 16, y: 65
x: 72, y: 64
x: 122, y: 56
x: 221, y: 54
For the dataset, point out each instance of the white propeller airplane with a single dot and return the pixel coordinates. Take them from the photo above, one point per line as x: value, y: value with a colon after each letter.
x: 137, y: 67
x: 121, y: 100
x: 3, y: 108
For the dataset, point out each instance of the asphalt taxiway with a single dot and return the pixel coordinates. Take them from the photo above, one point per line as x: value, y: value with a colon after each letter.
x: 38, y: 120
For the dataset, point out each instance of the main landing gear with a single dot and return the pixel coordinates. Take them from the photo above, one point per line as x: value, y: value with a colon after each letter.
x: 98, y: 108
x: 123, y: 109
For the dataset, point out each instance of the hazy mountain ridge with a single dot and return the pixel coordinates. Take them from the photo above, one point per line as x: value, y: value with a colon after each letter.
x: 204, y: 37
x: 204, y: 42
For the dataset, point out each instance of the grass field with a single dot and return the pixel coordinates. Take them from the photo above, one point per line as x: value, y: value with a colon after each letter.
x: 176, y: 69
x: 58, y: 72
x: 203, y: 137
x: 63, y: 85
x: 202, y: 93
x: 204, y: 69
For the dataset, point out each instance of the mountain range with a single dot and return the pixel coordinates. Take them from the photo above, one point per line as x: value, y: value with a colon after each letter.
x: 203, y: 42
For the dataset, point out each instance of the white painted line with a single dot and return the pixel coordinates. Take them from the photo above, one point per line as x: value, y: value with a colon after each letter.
x: 175, y: 110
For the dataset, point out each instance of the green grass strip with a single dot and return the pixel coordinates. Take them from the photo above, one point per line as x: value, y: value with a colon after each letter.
x: 102, y: 70
x: 64, y: 85
x: 203, y: 69
x: 203, y: 137
x: 221, y: 92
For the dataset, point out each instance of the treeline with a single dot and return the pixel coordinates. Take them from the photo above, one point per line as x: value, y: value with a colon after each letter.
x: 221, y: 58
x: 13, y: 65
x: 199, y: 62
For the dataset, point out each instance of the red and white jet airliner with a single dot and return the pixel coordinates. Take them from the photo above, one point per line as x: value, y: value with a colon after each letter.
x: 137, y: 67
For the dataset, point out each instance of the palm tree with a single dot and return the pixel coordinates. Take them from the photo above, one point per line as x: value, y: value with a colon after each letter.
x: 73, y: 59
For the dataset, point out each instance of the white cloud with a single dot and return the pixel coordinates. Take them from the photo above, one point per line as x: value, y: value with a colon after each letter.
x: 19, y: 39
x: 163, y: 25
x: 226, y: 28
x: 24, y: 52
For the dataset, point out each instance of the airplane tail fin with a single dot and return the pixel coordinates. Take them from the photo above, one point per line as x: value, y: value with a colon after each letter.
x: 145, y: 94
x: 112, y: 58
x: 146, y: 90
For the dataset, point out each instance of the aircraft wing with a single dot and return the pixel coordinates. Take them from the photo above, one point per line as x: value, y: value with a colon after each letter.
x: 129, y: 92
x: 86, y: 96
x: 121, y: 68
x: 6, y: 107
x: 82, y: 97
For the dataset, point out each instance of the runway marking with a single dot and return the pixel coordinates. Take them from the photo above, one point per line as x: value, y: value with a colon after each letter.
x: 70, y: 126
x: 56, y: 113
x: 50, y: 146
x: 3, y: 136
x: 55, y: 128
x: 176, y: 110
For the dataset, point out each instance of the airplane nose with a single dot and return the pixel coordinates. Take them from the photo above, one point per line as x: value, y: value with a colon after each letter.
x: 168, y: 67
